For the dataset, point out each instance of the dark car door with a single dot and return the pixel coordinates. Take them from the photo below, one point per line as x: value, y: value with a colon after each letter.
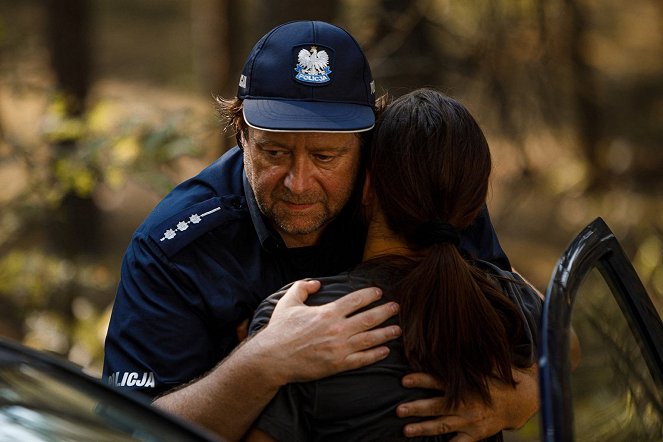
x: 616, y: 391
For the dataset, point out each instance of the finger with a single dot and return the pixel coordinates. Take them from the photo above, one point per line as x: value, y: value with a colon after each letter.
x: 298, y: 292
x: 422, y: 380
x: 435, y: 406
x: 441, y: 425
x: 363, y: 358
x: 356, y: 300
x: 372, y: 338
x: 371, y: 318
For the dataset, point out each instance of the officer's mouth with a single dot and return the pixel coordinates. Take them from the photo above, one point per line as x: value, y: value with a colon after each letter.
x: 298, y: 207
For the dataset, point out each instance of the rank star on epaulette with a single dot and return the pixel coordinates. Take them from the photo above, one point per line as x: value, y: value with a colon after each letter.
x: 183, y: 225
x: 190, y: 223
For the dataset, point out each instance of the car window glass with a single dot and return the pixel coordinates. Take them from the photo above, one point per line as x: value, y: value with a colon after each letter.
x: 614, y: 395
x: 38, y: 404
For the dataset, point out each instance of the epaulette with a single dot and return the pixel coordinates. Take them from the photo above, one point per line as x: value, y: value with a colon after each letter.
x: 191, y: 223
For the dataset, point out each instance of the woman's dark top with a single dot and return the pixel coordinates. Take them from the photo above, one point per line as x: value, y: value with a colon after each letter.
x: 360, y: 405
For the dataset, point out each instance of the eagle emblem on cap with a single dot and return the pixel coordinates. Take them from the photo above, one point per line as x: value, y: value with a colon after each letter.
x: 313, y: 66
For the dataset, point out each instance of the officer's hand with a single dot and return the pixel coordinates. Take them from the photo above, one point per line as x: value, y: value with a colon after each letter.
x: 311, y: 342
x: 473, y: 420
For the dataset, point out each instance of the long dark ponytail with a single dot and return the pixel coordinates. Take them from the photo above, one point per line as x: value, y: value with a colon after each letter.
x: 430, y: 164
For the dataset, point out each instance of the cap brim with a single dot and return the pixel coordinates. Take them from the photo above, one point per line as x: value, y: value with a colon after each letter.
x: 307, y: 116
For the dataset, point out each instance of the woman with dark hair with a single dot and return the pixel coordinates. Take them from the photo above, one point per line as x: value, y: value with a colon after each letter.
x: 464, y: 321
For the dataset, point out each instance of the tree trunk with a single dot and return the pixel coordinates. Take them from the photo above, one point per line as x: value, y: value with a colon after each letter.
x: 584, y: 89
x: 400, y: 50
x: 71, y: 230
x: 270, y: 13
x: 69, y: 39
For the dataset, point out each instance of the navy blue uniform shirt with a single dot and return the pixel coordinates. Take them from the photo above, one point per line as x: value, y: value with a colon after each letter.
x: 201, y: 263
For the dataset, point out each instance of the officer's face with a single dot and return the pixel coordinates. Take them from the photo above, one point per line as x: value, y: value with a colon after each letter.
x: 301, y: 180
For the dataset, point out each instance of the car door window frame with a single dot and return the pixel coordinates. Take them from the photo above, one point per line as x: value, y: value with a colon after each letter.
x: 595, y: 247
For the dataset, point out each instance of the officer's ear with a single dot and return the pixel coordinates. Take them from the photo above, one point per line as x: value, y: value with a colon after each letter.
x: 240, y: 138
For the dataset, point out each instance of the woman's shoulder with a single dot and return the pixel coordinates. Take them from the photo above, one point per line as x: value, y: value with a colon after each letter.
x: 337, y: 286
x: 331, y: 288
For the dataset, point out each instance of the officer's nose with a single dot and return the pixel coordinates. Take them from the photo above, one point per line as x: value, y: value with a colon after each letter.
x: 299, y: 178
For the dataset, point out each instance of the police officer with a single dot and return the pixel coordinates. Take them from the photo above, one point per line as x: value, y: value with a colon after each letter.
x: 279, y: 207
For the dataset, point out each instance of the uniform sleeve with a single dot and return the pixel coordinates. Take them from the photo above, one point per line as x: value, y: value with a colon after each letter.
x: 479, y: 241
x: 530, y: 304
x: 157, y: 337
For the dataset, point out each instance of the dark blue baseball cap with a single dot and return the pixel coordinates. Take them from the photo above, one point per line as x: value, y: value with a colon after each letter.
x: 307, y: 76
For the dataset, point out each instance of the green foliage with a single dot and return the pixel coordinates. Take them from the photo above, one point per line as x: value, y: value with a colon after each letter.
x: 95, y: 150
x: 41, y: 287
x: 56, y: 291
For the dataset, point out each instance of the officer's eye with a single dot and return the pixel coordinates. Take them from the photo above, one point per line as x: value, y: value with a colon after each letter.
x: 275, y: 153
x: 323, y: 158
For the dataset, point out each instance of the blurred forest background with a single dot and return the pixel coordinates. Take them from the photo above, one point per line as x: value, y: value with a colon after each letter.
x: 105, y: 105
